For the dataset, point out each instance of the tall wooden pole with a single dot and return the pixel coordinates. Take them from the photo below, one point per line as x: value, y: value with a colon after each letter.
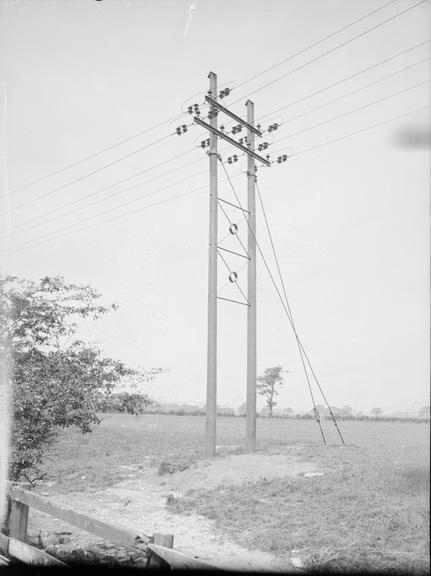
x: 250, y: 440
x: 211, y: 408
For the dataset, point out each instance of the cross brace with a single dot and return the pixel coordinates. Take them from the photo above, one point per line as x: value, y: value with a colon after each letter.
x: 231, y: 141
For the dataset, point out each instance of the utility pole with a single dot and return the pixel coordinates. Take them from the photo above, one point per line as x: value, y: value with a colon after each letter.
x: 211, y: 409
x: 246, y: 148
x: 250, y: 435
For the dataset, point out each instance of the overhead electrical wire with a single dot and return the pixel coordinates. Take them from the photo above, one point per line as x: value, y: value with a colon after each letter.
x: 344, y: 114
x: 78, y: 200
x: 346, y: 78
x: 330, y: 51
x: 95, y: 192
x: 88, y: 174
x: 178, y: 116
x: 54, y: 235
x: 125, y: 203
x: 355, y: 133
x: 300, y: 152
x: 314, y: 44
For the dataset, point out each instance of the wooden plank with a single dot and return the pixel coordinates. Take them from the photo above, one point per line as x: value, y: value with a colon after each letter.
x: 166, y: 540
x: 4, y: 544
x: 179, y: 561
x: 4, y: 561
x: 30, y: 555
x: 18, y: 521
x: 26, y: 553
x: 118, y: 535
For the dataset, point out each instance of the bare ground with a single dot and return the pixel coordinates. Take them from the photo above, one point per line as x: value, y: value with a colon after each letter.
x: 140, y: 502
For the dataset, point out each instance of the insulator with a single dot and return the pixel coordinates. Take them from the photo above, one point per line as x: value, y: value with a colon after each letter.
x: 178, y: 130
x: 184, y: 126
x: 184, y: 129
x: 233, y: 228
x: 267, y: 156
x: 229, y: 160
x: 203, y: 144
x: 235, y: 158
x: 222, y: 128
x: 198, y: 113
x: 195, y: 106
x: 258, y: 126
x: 279, y: 159
x: 233, y: 277
x: 190, y: 110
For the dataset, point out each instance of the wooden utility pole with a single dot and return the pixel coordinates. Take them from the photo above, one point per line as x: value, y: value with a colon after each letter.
x: 211, y: 409
x: 250, y: 434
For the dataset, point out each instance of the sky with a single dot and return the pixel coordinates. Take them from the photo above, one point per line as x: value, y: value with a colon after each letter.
x: 350, y: 220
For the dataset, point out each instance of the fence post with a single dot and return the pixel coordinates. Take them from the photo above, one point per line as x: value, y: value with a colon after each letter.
x: 18, y: 516
x: 166, y: 540
x: 18, y: 521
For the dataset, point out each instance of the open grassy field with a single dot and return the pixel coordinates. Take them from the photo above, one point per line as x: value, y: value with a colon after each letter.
x: 369, y: 510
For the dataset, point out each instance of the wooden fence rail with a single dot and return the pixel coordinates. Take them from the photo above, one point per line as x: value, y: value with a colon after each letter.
x: 158, y: 548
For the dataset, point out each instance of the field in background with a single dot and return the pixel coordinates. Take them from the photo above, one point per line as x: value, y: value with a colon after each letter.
x: 368, y: 511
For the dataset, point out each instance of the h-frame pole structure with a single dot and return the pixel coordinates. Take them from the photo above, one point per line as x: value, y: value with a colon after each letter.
x: 250, y: 213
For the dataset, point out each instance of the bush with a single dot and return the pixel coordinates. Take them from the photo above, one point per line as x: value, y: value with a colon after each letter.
x: 125, y: 402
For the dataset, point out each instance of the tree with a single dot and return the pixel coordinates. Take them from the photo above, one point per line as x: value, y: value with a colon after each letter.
x: 346, y: 412
x: 424, y: 412
x: 242, y: 409
x: 376, y: 412
x: 57, y: 380
x: 268, y: 384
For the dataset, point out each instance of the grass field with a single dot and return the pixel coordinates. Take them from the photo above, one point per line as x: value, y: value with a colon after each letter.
x: 368, y: 511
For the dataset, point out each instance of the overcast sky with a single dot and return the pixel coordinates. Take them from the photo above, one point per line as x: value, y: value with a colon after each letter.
x: 350, y: 220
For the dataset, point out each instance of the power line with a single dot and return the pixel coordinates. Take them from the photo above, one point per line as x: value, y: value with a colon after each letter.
x: 244, y: 82
x: 178, y: 116
x: 94, y: 193
x: 367, y: 69
x: 120, y: 206
x: 363, y: 107
x: 31, y: 243
x: 330, y: 51
x: 361, y: 131
x: 28, y: 244
x: 50, y: 192
x: 98, y: 153
x: 314, y: 44
x: 338, y: 98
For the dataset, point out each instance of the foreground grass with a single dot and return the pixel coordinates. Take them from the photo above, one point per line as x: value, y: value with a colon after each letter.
x: 369, y: 511
x: 366, y: 516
